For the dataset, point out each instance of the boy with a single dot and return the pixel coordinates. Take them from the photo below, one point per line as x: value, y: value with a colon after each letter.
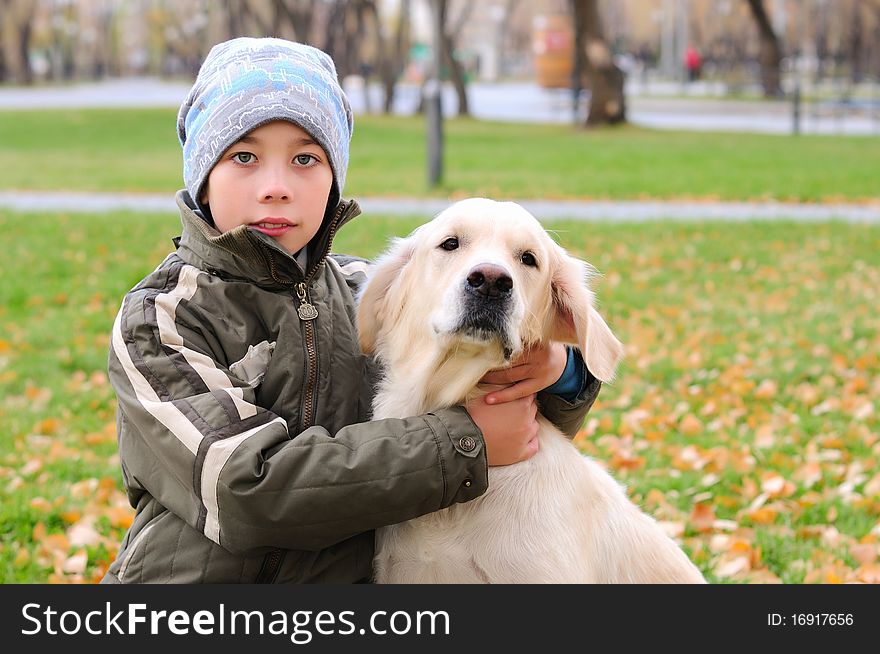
x: 243, y: 398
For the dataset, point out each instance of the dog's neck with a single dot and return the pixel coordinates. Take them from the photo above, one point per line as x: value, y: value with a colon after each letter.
x: 421, y: 380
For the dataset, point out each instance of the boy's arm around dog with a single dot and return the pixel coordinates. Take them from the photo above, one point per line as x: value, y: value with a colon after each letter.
x: 236, y: 471
x: 210, y: 368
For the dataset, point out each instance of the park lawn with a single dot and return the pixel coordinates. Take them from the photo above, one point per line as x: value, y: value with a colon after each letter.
x: 745, y: 416
x: 136, y: 150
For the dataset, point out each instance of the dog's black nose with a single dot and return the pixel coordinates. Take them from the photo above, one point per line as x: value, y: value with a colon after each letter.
x: 490, y: 281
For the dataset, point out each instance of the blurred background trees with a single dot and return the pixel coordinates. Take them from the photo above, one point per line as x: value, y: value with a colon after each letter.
x: 594, y: 57
x: 744, y: 46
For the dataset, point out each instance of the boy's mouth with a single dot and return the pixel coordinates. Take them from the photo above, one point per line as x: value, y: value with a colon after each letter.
x: 273, y: 226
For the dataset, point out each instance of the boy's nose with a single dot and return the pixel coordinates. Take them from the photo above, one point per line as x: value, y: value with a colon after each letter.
x: 274, y: 188
x: 275, y: 194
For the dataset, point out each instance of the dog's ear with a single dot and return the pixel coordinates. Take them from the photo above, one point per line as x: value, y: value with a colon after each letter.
x: 576, y: 321
x: 372, y: 308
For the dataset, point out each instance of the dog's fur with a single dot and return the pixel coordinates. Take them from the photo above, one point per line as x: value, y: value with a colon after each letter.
x: 558, y: 517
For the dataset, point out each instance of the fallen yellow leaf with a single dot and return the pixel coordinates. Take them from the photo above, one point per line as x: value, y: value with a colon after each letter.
x: 872, y: 487
x: 702, y: 517
x: 40, y: 504
x: 763, y: 516
x: 869, y: 573
x: 733, y: 567
x: 49, y: 426
x: 766, y: 390
x: 71, y: 516
x: 864, y: 553
x: 690, y: 425
x: 76, y: 564
x: 22, y: 557
x: 120, y: 517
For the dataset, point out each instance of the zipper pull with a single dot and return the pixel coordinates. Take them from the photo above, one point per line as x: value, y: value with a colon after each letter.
x: 305, y: 310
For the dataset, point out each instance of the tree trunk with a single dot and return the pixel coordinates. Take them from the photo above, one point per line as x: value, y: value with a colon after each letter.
x: 509, y: 10
x: 341, y: 38
x: 607, y: 98
x: 2, y: 53
x: 15, y: 39
x: 770, y: 56
x: 450, y: 38
x: 234, y: 18
x: 24, y: 45
x: 391, y: 56
x: 364, y: 10
x: 299, y: 14
x: 856, y: 47
x: 394, y: 61
x: 456, y: 72
x: 873, y: 57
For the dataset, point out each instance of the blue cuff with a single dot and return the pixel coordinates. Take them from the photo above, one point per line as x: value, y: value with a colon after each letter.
x: 571, y: 382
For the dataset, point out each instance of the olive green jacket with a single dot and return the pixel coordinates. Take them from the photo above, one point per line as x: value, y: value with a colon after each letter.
x: 243, y: 420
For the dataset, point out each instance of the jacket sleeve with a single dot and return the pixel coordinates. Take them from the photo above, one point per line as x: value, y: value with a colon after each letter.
x: 200, y: 444
x: 568, y: 413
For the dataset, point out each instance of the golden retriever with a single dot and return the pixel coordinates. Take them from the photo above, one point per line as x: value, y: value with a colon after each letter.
x: 464, y: 294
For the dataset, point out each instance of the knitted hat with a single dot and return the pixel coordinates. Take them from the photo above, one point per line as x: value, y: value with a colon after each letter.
x: 245, y: 83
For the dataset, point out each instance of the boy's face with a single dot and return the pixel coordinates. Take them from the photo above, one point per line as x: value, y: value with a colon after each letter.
x: 276, y: 179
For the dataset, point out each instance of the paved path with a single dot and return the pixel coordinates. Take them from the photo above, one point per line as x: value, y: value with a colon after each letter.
x: 505, y: 101
x: 624, y: 211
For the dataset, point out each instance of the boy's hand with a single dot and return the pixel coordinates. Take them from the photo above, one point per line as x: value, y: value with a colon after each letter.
x: 510, y: 429
x: 532, y: 371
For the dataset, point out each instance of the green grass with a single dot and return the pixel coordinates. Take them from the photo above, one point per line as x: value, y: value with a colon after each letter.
x: 753, y: 350
x: 137, y: 150
x: 90, y: 150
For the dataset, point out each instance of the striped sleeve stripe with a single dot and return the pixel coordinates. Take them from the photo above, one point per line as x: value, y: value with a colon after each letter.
x: 217, y: 456
x: 350, y: 268
x: 355, y: 267
x: 132, y: 548
x: 165, y: 412
x: 211, y: 376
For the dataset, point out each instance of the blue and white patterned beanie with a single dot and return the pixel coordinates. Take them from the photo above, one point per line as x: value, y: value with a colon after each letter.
x: 245, y: 83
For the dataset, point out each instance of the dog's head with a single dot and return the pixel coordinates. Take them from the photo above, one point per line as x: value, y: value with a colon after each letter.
x: 485, y: 273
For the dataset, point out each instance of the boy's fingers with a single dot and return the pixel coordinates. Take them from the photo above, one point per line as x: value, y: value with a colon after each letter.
x: 495, y: 377
x: 502, y: 376
x: 511, y: 393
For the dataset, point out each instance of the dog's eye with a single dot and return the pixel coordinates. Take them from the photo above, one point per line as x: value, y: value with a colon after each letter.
x: 450, y: 244
x: 529, y: 259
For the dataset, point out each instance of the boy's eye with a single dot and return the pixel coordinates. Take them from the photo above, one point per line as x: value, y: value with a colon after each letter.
x: 304, y: 159
x: 243, y: 157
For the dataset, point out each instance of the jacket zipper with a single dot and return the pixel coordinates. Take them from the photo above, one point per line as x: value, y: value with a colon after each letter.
x: 307, y: 314
x: 269, y: 570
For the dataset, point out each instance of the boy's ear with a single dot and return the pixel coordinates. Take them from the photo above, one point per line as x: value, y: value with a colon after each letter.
x: 574, y: 320
x: 373, y: 310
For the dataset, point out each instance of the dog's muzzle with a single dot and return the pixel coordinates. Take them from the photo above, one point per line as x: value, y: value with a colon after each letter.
x: 489, y: 282
x: 487, y: 294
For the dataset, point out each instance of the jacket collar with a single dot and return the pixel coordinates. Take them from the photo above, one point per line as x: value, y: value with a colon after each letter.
x: 245, y: 253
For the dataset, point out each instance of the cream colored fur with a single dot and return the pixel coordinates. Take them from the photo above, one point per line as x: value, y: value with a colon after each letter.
x: 558, y: 517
